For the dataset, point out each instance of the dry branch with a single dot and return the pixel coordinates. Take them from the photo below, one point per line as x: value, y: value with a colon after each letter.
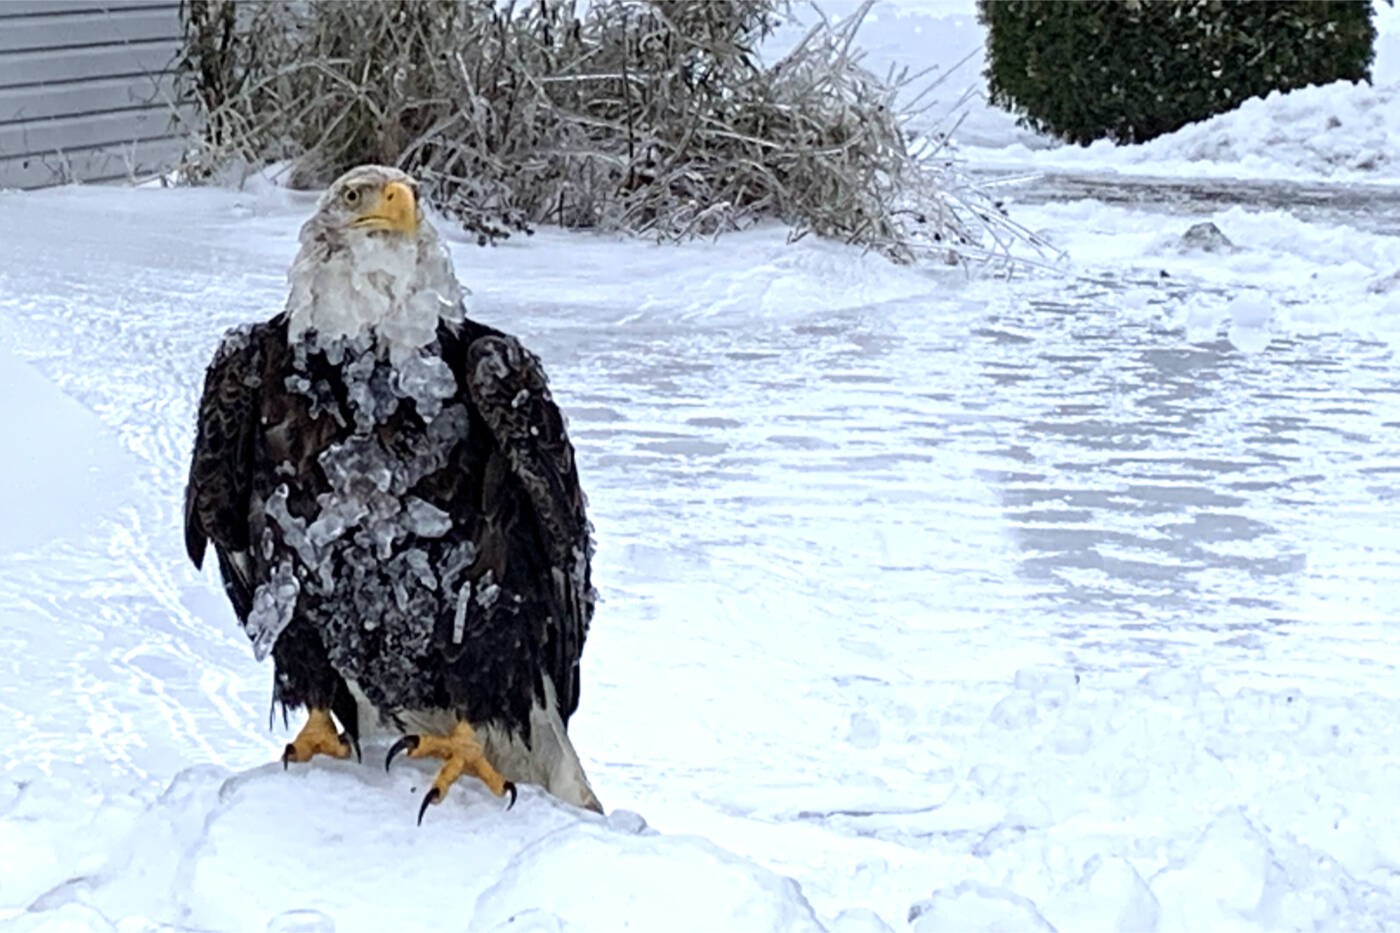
x: 653, y: 117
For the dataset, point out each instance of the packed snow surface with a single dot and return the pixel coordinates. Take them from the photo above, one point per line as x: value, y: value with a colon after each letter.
x: 65, y: 464
x: 929, y: 602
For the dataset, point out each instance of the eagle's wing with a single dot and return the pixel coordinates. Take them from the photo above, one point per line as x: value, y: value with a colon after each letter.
x: 507, y: 383
x: 216, y: 497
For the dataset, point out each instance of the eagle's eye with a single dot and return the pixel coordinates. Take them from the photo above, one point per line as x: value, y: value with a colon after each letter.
x: 351, y: 196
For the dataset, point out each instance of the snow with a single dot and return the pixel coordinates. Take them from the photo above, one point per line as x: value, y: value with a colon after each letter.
x: 889, y: 609
x: 1339, y: 131
x: 976, y: 908
x: 219, y: 851
x: 942, y: 35
x: 59, y: 452
x: 929, y: 601
x: 1280, y: 275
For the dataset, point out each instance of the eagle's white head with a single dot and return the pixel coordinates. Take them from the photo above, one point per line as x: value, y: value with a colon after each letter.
x: 369, y: 261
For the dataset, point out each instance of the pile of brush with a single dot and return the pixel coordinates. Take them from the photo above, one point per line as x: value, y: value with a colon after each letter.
x: 651, y: 117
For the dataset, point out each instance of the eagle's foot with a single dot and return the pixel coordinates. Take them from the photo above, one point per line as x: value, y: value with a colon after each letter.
x: 317, y: 737
x: 460, y: 752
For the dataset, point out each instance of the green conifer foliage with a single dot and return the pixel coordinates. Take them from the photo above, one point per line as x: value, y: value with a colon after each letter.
x: 1131, y: 70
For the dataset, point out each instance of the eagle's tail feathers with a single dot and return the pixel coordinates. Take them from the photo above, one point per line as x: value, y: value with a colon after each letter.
x: 550, y: 759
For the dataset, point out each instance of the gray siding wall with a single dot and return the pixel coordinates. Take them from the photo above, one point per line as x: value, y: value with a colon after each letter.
x: 85, y: 90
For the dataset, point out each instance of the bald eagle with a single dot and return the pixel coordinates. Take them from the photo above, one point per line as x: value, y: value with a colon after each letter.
x: 395, y: 508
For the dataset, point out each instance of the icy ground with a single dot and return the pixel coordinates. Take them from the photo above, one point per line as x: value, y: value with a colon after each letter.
x: 1067, y: 601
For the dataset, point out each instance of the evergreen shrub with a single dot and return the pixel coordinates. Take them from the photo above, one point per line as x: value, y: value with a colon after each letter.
x: 1130, y: 70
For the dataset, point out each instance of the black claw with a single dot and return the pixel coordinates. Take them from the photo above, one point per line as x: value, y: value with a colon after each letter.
x: 510, y: 789
x: 287, y: 754
x: 354, y: 743
x: 406, y: 744
x: 432, y: 796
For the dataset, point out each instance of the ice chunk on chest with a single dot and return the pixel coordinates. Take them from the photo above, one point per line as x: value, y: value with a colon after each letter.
x: 428, y: 380
x: 336, y: 517
x: 356, y: 468
x: 369, y: 390
x: 376, y: 380
x: 358, y: 539
x: 425, y: 519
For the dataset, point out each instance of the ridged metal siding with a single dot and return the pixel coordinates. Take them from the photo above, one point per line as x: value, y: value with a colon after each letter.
x: 85, y: 90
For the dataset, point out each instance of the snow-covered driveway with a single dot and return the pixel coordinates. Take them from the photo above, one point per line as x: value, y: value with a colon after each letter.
x: 1065, y: 600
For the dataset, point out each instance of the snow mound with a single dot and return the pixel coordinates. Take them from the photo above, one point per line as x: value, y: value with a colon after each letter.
x: 1336, y: 129
x: 1341, y: 131
x: 333, y: 846
x: 1236, y: 876
x: 658, y: 884
x: 1110, y: 895
x: 971, y: 907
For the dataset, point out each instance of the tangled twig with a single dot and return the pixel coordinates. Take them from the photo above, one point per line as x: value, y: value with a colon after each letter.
x: 652, y: 117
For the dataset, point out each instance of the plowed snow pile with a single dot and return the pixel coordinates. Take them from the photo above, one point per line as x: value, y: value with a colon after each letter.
x: 1339, y: 131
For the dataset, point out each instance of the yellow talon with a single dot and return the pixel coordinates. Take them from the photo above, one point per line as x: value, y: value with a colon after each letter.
x: 317, y: 737
x: 460, y: 752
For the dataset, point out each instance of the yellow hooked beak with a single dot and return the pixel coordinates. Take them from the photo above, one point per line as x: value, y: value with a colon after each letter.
x: 395, y: 209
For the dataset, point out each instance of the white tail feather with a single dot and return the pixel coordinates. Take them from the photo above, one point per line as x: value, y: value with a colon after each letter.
x: 549, y: 761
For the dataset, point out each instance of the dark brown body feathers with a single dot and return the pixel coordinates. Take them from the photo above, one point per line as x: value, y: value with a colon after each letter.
x: 466, y: 580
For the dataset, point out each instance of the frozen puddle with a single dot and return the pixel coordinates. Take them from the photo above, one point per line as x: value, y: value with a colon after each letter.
x: 1066, y: 602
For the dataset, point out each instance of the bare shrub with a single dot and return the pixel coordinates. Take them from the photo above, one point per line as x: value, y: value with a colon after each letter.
x: 653, y: 117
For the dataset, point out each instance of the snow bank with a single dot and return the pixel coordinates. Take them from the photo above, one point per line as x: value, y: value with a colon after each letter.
x: 1164, y: 804
x: 62, y: 469
x: 970, y: 907
x: 333, y: 846
x: 1339, y: 131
